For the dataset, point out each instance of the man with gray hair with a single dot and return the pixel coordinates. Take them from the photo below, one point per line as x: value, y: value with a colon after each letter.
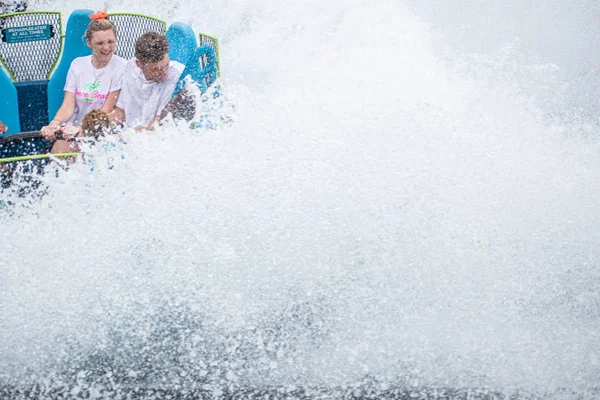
x: 149, y: 81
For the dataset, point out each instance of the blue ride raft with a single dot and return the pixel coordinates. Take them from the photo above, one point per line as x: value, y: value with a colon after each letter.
x: 36, y: 56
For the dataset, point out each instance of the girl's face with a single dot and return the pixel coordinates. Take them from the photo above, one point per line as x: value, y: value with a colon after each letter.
x: 103, y: 45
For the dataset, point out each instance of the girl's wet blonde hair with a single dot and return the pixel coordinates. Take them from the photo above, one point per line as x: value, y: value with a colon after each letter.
x: 99, y: 24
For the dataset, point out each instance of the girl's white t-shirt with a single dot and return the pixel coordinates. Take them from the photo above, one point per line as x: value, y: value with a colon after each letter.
x: 92, y: 86
x: 143, y: 100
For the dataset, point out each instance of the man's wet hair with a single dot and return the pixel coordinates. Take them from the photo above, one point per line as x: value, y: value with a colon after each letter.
x: 151, y: 47
x: 95, y: 123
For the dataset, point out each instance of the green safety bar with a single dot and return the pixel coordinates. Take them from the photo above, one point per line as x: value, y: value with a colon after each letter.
x: 37, y: 157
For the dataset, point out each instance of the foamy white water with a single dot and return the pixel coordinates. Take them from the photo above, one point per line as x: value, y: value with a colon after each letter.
x: 382, y: 207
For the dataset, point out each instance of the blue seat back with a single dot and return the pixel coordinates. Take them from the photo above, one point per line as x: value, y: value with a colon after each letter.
x: 212, y: 42
x: 202, y: 75
x: 74, y: 46
x: 182, y: 42
x: 9, y: 107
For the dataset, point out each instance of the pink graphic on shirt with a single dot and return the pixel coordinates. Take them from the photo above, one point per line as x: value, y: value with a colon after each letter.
x: 90, y: 93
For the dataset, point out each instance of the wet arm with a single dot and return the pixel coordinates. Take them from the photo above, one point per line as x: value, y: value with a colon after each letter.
x: 111, y: 101
x: 64, y: 114
x: 117, y: 115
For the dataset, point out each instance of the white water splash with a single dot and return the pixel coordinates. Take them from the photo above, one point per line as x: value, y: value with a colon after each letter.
x: 379, y: 208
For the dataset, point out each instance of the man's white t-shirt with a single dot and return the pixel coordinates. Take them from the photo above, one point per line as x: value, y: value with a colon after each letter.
x: 92, y: 86
x: 143, y: 100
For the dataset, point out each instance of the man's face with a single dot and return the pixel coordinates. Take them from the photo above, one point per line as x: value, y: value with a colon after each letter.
x: 156, y: 71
